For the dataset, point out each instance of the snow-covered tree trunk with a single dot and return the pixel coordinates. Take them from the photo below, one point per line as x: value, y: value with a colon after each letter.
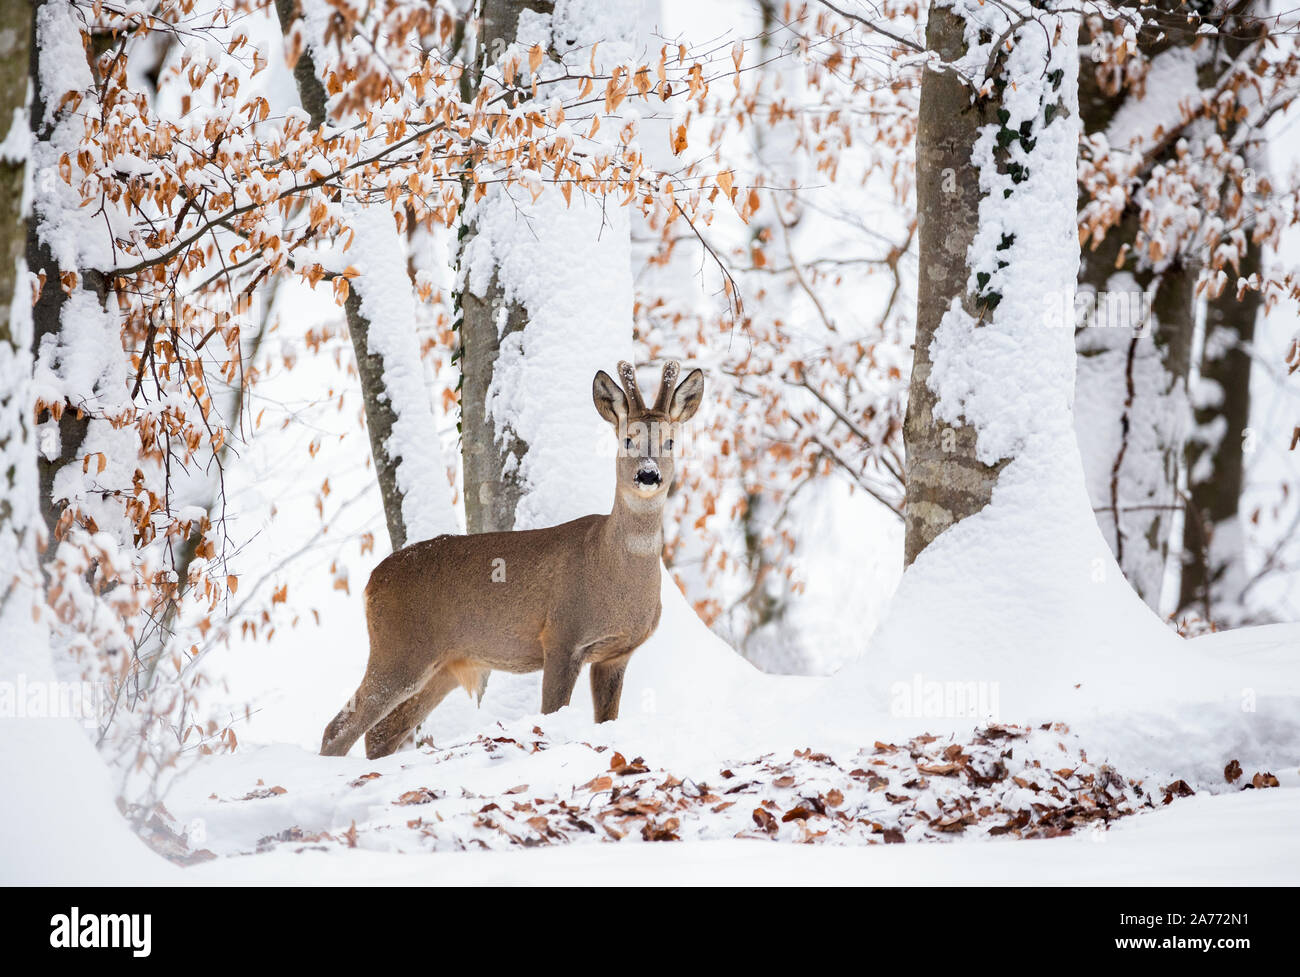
x: 56, y: 785
x: 17, y: 454
x: 490, y: 456
x: 1135, y: 338
x: 1023, y: 593
x: 73, y: 361
x: 546, y: 298
x: 89, y: 453
x: 380, y: 310
x: 768, y: 639
x: 1213, y: 572
x: 946, y: 479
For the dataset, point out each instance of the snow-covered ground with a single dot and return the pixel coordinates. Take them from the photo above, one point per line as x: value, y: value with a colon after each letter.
x: 557, y: 799
x: 1244, y: 838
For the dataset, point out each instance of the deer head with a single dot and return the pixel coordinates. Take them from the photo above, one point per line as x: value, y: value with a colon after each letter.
x: 647, y: 436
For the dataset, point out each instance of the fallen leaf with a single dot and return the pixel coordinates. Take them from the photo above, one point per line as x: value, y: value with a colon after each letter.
x: 619, y: 765
x: 765, y: 821
x: 421, y: 795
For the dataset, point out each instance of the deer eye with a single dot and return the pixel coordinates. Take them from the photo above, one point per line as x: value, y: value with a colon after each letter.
x: 668, y: 445
x: 627, y: 444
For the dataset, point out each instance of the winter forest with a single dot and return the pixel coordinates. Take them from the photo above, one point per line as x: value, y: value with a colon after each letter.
x: 794, y: 424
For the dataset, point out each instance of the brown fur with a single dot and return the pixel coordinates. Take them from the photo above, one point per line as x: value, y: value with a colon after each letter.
x: 446, y: 611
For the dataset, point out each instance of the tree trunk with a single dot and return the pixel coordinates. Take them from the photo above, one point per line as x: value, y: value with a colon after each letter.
x: 1022, y: 595
x: 1134, y: 346
x: 399, y: 420
x: 1213, y: 576
x: 73, y: 423
x: 767, y: 636
x: 1212, y: 545
x: 946, y: 482
x: 544, y: 292
x: 491, y: 454
x: 1132, y: 406
x: 16, y: 440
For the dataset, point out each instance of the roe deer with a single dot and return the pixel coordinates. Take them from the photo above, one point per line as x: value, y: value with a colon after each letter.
x: 446, y: 611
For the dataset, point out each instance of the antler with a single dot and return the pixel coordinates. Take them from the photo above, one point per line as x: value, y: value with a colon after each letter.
x: 627, y: 376
x: 666, y: 385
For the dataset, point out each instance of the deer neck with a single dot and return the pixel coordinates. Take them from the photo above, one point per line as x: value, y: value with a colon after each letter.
x: 635, y: 527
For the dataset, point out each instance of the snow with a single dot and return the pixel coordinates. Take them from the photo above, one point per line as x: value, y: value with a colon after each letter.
x: 63, y: 69
x: 1247, y: 838
x: 60, y: 822
x: 1011, y: 376
x: 388, y: 305
x: 279, y: 813
x: 1170, y: 85
x: 59, y: 819
x: 17, y: 140
x: 569, y: 265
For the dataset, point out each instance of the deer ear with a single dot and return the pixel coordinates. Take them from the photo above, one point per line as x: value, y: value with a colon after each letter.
x: 687, y: 397
x: 610, y: 401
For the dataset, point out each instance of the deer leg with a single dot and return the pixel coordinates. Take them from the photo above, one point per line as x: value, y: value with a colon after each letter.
x: 373, y: 700
x: 560, y: 668
x: 366, y: 707
x: 387, y: 735
x: 607, y: 687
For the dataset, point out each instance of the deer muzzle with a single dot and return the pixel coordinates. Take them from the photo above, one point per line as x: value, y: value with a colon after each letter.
x: 648, y: 475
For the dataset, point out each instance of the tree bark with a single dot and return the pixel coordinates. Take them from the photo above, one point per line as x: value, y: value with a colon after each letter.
x: 47, y: 312
x: 491, y: 454
x: 379, y: 400
x: 15, y: 366
x: 1212, y: 571
x: 1211, y: 533
x: 946, y: 482
x: 1134, y: 363
x: 544, y: 292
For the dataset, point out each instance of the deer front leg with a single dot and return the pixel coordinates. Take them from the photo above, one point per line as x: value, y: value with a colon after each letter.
x: 607, y: 687
x: 560, y: 667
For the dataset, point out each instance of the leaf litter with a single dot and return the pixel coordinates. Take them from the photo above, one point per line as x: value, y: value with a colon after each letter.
x: 1000, y: 781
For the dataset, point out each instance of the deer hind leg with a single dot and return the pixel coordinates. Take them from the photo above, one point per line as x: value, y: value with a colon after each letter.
x: 374, y: 699
x: 388, y: 735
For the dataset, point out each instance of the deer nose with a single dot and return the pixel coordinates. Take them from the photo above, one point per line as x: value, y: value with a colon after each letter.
x: 648, y: 476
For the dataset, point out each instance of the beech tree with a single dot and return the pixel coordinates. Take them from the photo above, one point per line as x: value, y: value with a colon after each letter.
x: 544, y: 286
x: 1169, y: 213
x: 947, y: 479
x: 17, y: 442
x: 381, y: 322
